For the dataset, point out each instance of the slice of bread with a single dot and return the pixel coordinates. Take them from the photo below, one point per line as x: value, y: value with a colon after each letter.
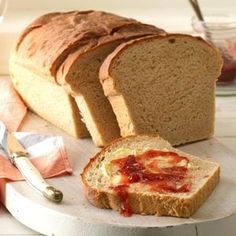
x: 168, y: 183
x: 163, y: 85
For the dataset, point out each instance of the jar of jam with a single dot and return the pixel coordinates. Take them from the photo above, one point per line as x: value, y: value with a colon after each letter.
x: 220, y: 29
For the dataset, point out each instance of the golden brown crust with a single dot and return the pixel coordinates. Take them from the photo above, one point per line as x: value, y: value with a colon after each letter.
x: 147, y: 204
x: 46, y: 43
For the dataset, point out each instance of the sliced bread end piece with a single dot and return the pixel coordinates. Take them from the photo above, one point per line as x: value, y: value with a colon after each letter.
x: 100, y: 186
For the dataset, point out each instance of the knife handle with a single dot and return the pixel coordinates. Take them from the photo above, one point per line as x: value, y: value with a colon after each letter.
x: 34, y: 178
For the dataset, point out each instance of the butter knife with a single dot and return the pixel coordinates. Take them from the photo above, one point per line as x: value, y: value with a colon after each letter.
x: 20, y: 158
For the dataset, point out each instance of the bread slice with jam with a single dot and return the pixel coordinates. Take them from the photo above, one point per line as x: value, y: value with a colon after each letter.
x: 145, y: 175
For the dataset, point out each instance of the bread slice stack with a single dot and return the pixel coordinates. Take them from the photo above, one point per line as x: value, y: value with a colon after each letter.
x: 145, y: 175
x: 55, y: 64
x: 165, y: 85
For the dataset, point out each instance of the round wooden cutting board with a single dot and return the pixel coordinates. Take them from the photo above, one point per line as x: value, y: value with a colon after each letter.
x: 75, y: 216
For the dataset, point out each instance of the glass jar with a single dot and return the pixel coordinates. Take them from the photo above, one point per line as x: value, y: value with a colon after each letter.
x: 220, y: 29
x: 3, y: 7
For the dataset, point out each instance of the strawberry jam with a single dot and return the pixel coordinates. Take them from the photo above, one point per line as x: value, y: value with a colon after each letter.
x: 228, y: 73
x: 122, y: 192
x: 161, y: 171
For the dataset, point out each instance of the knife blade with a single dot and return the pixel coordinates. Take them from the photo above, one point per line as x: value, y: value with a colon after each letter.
x: 20, y: 158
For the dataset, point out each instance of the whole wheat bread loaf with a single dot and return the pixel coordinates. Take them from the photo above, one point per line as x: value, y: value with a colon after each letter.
x: 67, y: 49
x: 163, y: 85
x: 180, y: 197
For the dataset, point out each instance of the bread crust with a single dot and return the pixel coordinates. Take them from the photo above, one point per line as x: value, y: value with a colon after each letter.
x: 156, y: 204
x: 47, y: 43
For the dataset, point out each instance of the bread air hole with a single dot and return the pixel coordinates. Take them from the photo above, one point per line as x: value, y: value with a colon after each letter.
x: 171, y: 40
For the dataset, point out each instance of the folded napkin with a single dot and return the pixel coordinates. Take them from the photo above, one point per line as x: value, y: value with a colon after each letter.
x: 12, y: 109
x: 47, y: 153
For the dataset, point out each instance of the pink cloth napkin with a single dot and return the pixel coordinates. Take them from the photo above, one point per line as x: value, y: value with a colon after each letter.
x: 12, y: 109
x: 47, y: 153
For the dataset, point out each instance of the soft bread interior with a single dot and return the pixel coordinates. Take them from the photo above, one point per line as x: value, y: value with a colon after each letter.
x: 48, y: 100
x: 164, y: 85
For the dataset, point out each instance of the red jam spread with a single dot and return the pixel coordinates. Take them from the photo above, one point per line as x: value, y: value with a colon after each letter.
x: 161, y: 171
x: 122, y: 192
x: 228, y: 73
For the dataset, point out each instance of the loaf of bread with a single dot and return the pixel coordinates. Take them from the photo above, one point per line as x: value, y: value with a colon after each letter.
x: 63, y: 52
x: 145, y: 175
x: 164, y: 85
